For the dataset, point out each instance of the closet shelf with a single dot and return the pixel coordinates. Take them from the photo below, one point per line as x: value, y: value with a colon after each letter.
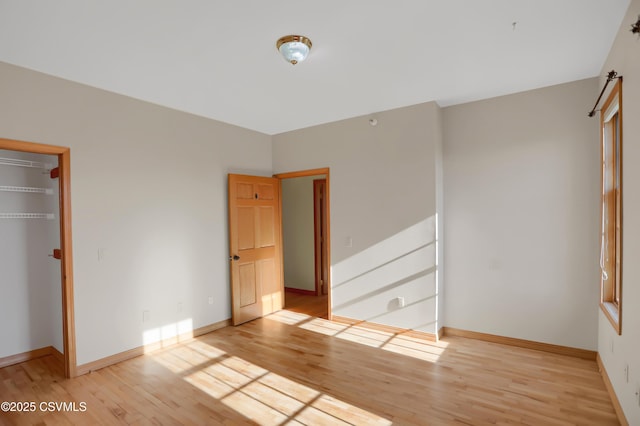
x: 25, y: 163
x: 49, y: 216
x: 26, y: 189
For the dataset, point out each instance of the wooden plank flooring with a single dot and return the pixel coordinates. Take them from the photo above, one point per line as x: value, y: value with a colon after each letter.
x: 316, y: 306
x: 290, y: 368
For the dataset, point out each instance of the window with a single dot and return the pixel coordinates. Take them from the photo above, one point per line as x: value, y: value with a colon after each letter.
x: 611, y: 224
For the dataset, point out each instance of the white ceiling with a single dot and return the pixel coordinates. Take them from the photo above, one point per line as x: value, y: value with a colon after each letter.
x: 218, y: 58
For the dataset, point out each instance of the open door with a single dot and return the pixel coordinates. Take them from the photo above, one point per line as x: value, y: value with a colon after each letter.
x: 255, y: 247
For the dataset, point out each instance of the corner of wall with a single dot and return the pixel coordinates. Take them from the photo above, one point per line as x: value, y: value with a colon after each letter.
x: 619, y: 354
x: 439, y: 170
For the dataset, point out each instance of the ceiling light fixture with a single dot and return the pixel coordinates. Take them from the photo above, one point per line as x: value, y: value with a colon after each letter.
x: 294, y: 48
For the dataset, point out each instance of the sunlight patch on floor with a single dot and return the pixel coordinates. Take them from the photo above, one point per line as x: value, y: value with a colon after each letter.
x: 325, y: 327
x: 259, y: 394
x: 264, y: 402
x: 373, y: 338
x: 415, y: 347
x: 402, y: 344
x: 210, y: 384
x: 183, y: 358
x: 167, y: 335
x: 175, y: 364
x: 288, y: 317
x: 208, y: 351
x: 335, y: 408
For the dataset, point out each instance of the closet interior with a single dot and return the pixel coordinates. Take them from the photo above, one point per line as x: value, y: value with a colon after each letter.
x: 30, y: 268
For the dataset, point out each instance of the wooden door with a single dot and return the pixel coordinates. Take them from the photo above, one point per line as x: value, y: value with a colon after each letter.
x: 255, y: 246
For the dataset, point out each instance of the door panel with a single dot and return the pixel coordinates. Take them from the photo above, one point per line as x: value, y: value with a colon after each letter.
x: 257, y: 288
x: 248, y: 290
x: 267, y: 236
x: 246, y: 228
x: 265, y: 192
x: 244, y: 191
x: 272, y: 300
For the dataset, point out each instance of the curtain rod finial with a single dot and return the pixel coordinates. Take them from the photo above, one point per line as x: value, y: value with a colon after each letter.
x: 635, y: 28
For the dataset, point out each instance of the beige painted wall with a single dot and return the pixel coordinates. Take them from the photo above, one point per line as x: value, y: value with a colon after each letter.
x: 618, y: 351
x: 521, y: 207
x: 148, y: 189
x: 383, y: 208
x: 298, y: 232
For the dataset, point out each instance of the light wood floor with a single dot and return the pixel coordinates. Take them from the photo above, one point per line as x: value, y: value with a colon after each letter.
x: 316, y: 306
x: 289, y: 368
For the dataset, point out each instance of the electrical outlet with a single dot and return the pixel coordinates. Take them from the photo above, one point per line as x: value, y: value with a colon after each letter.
x: 211, y: 300
x: 145, y: 316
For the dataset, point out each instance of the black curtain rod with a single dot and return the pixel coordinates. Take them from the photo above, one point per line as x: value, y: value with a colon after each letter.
x: 612, y: 75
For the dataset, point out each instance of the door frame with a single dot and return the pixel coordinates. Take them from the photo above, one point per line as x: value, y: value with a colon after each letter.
x: 66, y: 269
x: 314, y: 172
x: 320, y: 235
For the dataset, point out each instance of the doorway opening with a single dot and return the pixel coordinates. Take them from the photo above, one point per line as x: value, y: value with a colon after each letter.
x: 64, y: 253
x: 306, y: 241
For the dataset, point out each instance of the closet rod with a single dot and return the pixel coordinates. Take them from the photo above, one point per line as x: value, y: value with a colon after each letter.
x: 26, y: 189
x: 25, y: 163
x: 49, y: 216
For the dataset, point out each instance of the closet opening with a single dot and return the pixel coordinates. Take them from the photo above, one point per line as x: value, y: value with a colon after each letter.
x: 35, y: 216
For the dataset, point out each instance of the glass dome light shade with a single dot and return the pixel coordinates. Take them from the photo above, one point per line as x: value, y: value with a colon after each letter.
x: 294, y: 48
